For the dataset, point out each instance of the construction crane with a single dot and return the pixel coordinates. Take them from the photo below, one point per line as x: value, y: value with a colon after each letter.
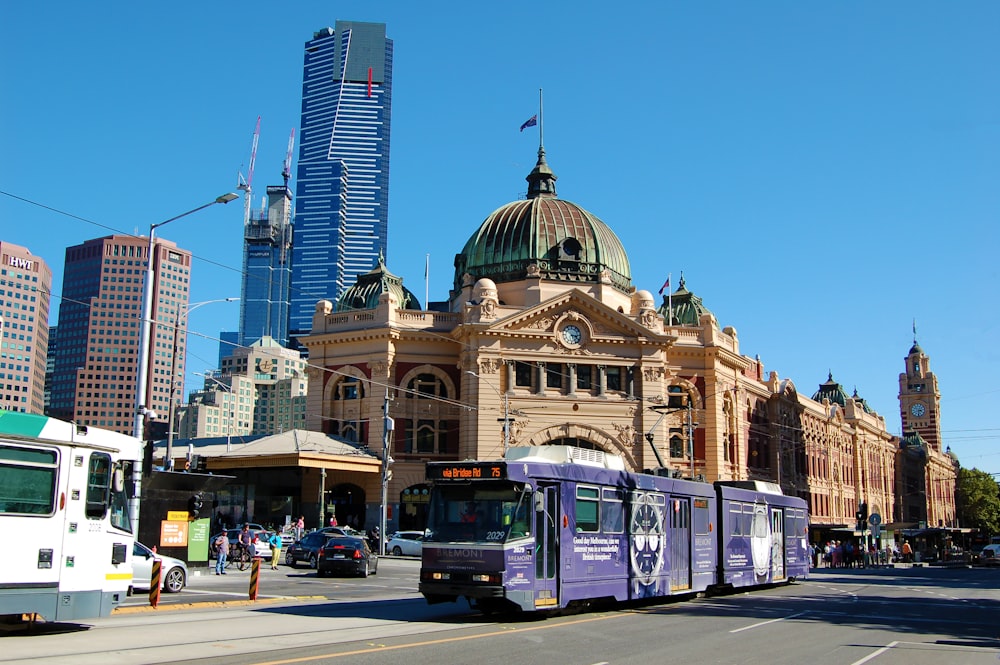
x: 286, y: 171
x: 246, y: 184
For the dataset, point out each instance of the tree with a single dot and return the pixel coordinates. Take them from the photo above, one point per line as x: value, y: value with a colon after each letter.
x: 978, y: 501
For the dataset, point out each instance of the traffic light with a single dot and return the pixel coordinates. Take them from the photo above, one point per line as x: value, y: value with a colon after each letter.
x: 194, y: 506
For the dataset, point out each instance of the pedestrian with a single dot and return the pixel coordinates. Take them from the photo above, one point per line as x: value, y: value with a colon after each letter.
x: 275, y: 542
x: 246, y: 541
x: 907, y: 552
x: 222, y: 553
x: 333, y: 520
x: 300, y: 527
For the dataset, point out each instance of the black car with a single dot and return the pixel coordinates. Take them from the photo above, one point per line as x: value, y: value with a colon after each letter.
x: 348, y: 555
x: 305, y: 549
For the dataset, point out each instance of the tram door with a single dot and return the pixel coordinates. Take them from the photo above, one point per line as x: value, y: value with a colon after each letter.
x: 546, y: 546
x: 680, y: 544
x: 777, y: 544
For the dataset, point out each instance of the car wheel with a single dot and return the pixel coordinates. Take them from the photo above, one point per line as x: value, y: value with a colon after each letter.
x: 289, y: 559
x: 364, y: 570
x: 174, y: 580
x: 312, y: 561
x: 397, y: 551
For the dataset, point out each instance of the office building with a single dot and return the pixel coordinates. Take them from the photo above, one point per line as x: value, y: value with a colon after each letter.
x: 94, y: 377
x: 25, y: 283
x: 267, y: 274
x: 342, y: 185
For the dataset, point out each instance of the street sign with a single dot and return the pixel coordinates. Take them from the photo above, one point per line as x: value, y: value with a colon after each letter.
x: 874, y: 519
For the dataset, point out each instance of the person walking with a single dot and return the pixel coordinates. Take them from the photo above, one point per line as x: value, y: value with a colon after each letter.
x: 275, y: 542
x: 222, y: 553
x: 300, y: 527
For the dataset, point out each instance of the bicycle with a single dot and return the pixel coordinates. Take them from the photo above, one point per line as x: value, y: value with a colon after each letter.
x: 241, y: 557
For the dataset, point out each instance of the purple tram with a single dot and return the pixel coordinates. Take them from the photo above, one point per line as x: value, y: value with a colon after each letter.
x: 552, y: 527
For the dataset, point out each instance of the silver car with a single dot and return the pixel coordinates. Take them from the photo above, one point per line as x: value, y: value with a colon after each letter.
x: 173, y: 572
x: 408, y: 543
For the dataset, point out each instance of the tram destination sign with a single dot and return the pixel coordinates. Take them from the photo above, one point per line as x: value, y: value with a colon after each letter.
x: 466, y: 471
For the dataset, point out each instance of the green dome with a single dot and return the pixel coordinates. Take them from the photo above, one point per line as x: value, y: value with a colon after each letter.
x: 687, y: 307
x: 832, y: 391
x: 564, y: 241
x: 365, y: 292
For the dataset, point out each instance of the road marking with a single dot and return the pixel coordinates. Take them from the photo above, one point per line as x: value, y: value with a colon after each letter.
x: 875, y: 654
x: 764, y: 623
x: 445, y: 640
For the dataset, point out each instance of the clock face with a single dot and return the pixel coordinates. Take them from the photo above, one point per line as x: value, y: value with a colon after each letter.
x: 571, y: 335
x: 917, y: 409
x: 266, y: 364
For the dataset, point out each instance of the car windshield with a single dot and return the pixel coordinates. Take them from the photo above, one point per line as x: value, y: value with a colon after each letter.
x: 466, y: 513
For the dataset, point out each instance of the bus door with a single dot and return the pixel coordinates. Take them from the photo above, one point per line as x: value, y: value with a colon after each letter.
x: 546, y: 546
x: 777, y: 545
x: 680, y: 544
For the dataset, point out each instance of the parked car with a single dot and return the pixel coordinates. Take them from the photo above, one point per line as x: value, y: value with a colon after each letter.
x: 306, y: 549
x: 349, y: 555
x: 409, y: 543
x: 261, y: 546
x: 990, y: 555
x: 173, y: 572
x: 342, y: 531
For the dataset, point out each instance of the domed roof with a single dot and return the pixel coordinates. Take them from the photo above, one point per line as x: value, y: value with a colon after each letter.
x: 564, y: 241
x: 861, y: 400
x: 365, y: 292
x: 832, y: 391
x: 687, y: 307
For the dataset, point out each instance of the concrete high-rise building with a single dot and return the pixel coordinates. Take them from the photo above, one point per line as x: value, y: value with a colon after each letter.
x: 94, y: 379
x: 25, y: 283
x: 342, y: 186
x: 267, y: 274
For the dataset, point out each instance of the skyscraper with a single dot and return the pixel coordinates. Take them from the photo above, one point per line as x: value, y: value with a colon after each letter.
x: 342, y: 188
x: 25, y: 282
x: 267, y: 243
x: 94, y: 378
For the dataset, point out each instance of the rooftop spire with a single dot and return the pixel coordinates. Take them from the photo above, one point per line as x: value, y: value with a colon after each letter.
x: 541, y: 180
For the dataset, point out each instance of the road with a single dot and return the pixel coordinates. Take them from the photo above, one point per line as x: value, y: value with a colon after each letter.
x: 915, y: 616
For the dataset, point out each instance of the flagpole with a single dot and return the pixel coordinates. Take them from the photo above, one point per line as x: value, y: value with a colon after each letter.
x: 541, y: 121
x: 427, y: 284
x: 670, y: 300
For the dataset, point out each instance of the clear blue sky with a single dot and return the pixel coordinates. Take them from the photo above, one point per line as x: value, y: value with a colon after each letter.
x: 823, y: 173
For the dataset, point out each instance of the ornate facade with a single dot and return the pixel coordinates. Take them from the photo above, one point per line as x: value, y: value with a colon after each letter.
x: 544, y: 340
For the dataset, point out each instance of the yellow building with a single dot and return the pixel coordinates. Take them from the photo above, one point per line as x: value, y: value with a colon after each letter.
x: 545, y: 340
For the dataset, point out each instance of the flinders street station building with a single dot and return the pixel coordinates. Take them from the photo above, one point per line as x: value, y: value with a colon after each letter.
x: 544, y: 340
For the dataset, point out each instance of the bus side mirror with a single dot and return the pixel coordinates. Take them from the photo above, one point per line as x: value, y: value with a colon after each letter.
x: 539, y: 502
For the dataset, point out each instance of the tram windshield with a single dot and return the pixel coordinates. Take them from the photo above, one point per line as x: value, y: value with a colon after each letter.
x: 496, y: 513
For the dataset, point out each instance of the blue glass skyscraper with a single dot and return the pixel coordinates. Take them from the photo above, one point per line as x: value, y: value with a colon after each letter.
x: 267, y: 274
x: 342, y: 185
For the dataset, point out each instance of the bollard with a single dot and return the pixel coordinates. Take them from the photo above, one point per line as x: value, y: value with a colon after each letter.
x: 154, y: 583
x: 254, y: 577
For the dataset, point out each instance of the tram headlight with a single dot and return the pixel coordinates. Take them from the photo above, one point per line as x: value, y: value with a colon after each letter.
x: 487, y: 578
x: 437, y: 577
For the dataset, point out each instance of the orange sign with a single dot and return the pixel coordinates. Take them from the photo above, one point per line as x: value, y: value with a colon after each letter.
x: 173, y: 534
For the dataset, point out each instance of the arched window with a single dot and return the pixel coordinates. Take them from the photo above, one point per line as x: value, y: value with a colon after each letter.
x: 345, y: 419
x: 424, y: 427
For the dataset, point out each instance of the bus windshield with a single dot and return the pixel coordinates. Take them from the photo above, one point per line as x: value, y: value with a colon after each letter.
x: 496, y: 513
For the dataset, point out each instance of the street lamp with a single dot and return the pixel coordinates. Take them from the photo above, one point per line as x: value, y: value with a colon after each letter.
x: 506, y: 411
x: 169, y: 460
x: 145, y: 326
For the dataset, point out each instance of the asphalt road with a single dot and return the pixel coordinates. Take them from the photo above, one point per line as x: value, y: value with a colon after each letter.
x: 917, y: 616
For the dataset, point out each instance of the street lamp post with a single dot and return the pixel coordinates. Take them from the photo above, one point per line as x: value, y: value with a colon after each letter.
x: 168, y: 458
x: 229, y: 420
x: 145, y: 329
x: 506, y: 412
x: 388, y: 425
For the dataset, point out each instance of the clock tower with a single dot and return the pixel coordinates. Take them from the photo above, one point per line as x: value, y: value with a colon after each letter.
x: 919, y: 399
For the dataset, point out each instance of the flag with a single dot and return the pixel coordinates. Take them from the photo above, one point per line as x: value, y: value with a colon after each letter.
x: 530, y: 122
x: 666, y: 285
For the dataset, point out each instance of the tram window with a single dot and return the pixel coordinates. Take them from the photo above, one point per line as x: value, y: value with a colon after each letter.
x: 613, y: 511
x: 98, y: 485
x: 27, y: 481
x: 587, y: 509
x: 735, y: 520
x: 746, y: 523
x: 701, y: 517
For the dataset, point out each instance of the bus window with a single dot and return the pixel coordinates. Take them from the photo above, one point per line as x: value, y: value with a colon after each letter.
x: 28, y: 480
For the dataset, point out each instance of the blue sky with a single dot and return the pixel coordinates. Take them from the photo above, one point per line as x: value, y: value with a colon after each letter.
x: 822, y: 173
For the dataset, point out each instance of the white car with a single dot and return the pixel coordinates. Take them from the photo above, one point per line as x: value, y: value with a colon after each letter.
x: 173, y: 572
x: 408, y: 543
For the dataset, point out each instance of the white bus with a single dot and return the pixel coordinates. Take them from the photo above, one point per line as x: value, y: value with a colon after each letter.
x: 64, y: 514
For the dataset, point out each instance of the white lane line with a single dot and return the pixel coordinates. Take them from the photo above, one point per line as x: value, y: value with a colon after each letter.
x: 764, y: 623
x: 875, y: 654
